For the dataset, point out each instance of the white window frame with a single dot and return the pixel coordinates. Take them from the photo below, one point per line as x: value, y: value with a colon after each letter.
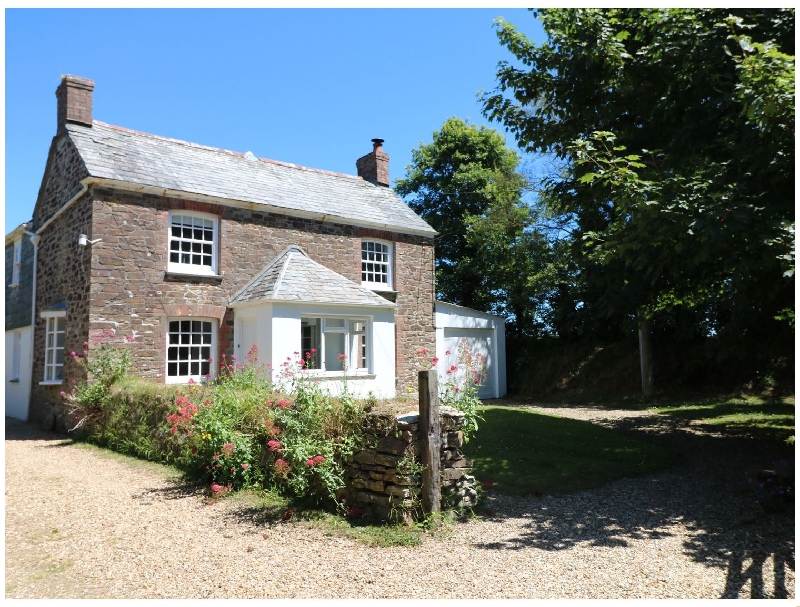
x: 16, y: 354
x: 186, y: 340
x: 17, y: 262
x: 330, y: 324
x: 380, y: 267
x: 198, y: 269
x: 51, y: 330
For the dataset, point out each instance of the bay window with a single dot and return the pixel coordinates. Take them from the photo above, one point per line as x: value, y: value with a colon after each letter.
x: 335, y: 343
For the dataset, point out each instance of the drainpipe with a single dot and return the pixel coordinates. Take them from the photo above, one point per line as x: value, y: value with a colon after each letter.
x: 70, y: 202
x: 35, y: 239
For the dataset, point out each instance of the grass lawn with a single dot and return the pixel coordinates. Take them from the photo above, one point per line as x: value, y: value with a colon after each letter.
x: 764, y: 418
x: 526, y: 452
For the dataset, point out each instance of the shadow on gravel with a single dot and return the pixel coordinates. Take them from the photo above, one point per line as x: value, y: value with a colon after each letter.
x: 19, y: 430
x: 707, y: 492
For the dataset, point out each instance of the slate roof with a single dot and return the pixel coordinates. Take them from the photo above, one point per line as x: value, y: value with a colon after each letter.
x: 293, y: 277
x: 111, y: 152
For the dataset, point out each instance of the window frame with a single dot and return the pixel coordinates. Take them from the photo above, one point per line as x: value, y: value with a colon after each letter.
x: 53, y: 317
x: 16, y: 262
x: 178, y: 267
x: 16, y: 355
x: 325, y: 326
x: 389, y: 265
x: 199, y: 377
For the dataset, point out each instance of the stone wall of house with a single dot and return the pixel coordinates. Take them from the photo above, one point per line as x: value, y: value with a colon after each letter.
x: 384, y: 480
x: 61, y: 181
x: 131, y: 291
x: 62, y: 282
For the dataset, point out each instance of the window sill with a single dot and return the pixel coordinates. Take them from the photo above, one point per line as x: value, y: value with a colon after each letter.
x: 13, y: 285
x: 52, y: 382
x: 14, y: 381
x: 336, y: 376
x: 377, y: 287
x: 212, y: 279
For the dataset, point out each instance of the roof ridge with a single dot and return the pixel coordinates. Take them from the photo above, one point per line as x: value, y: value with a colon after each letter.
x: 224, y: 151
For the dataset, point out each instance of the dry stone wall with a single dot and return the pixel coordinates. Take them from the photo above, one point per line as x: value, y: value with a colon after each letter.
x: 384, y: 480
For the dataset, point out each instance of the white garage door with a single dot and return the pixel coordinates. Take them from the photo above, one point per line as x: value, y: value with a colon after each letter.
x: 479, y: 341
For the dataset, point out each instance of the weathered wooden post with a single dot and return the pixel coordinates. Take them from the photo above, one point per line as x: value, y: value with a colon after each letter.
x: 430, y: 439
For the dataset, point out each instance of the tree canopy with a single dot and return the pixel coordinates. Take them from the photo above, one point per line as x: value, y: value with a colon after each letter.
x: 675, y: 130
x: 467, y: 186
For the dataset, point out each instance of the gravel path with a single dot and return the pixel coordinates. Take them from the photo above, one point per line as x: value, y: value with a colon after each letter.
x: 81, y: 524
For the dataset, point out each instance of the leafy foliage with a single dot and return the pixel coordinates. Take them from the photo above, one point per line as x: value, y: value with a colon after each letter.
x: 489, y: 256
x: 675, y: 133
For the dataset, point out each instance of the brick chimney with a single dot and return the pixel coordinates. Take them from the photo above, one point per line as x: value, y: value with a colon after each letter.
x: 374, y: 167
x: 74, y: 101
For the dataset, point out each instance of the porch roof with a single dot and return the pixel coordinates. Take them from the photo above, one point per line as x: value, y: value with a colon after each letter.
x: 293, y: 277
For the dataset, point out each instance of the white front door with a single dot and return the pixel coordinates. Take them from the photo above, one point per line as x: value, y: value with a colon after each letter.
x: 245, y: 337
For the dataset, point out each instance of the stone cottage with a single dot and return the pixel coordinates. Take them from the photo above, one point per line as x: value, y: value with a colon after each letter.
x: 193, y: 252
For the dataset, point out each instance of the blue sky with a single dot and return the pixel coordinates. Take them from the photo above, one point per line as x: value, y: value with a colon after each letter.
x: 306, y: 86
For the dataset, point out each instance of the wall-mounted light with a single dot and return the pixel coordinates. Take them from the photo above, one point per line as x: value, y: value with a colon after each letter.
x: 83, y: 240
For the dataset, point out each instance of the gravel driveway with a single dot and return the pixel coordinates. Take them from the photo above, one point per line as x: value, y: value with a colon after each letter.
x: 80, y: 524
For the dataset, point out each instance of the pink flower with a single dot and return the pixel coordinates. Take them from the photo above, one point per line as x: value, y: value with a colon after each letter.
x: 318, y: 459
x: 73, y: 354
x: 244, y: 466
x: 63, y: 393
x: 173, y: 429
x: 86, y: 344
x: 283, y: 403
x: 435, y: 360
x: 310, y: 462
x: 129, y: 338
x: 210, y: 360
x: 275, y: 445
x: 447, y: 353
x: 313, y: 350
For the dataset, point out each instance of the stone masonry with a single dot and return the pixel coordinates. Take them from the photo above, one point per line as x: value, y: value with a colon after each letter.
x: 384, y: 480
x: 121, y: 283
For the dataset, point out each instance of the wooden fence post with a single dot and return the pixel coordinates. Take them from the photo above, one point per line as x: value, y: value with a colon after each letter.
x: 430, y: 439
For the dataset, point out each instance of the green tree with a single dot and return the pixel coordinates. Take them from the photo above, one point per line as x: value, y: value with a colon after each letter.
x: 676, y: 132
x: 466, y: 185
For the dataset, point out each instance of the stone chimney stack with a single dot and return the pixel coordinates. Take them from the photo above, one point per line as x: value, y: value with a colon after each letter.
x: 374, y: 167
x: 74, y: 101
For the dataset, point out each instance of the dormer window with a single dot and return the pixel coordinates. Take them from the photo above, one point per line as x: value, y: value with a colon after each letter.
x: 193, y: 243
x: 376, y: 265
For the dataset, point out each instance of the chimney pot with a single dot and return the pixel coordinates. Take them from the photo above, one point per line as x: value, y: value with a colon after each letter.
x: 74, y: 96
x: 374, y: 167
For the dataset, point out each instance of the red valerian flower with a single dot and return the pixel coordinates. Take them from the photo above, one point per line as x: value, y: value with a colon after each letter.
x: 244, y: 467
x: 310, y: 462
x: 275, y: 445
x: 318, y: 459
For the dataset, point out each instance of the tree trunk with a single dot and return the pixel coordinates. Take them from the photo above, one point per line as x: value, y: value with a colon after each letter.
x: 645, y: 356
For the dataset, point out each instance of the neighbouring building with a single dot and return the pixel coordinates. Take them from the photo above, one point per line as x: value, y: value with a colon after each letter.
x: 19, y: 315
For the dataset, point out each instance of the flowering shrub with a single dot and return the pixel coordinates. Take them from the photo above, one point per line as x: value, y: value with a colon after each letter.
x: 103, y: 365
x: 239, y: 429
x: 242, y: 429
x: 461, y: 383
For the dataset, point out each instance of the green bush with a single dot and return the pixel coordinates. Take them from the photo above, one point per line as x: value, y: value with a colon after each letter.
x: 236, y: 431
